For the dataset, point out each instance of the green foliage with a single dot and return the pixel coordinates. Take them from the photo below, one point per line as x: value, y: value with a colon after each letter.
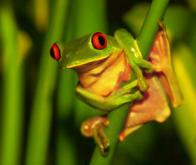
x: 40, y: 115
x: 12, y: 95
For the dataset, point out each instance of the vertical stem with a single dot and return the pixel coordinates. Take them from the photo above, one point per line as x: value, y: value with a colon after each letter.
x: 38, y: 136
x: 12, y: 92
x: 117, y: 117
x: 65, y: 146
x: 41, y: 14
x: 185, y: 115
x: 151, y: 24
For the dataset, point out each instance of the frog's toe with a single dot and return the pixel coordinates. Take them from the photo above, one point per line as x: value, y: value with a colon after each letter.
x: 101, y: 139
x: 104, y: 148
x: 127, y: 98
x: 143, y: 86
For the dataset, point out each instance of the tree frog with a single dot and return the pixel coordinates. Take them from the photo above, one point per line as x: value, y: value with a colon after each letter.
x: 112, y: 72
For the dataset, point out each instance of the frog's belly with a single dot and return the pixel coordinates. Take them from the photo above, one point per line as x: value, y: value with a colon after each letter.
x: 111, y: 78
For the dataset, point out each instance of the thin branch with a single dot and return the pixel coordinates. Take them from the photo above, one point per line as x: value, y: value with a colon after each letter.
x: 151, y: 24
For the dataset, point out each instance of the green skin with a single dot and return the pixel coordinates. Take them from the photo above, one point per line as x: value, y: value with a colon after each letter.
x: 81, y: 51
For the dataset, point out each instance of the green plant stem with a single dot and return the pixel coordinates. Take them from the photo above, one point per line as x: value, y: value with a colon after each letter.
x: 151, y: 25
x: 65, y: 146
x: 12, y: 90
x: 38, y: 136
x: 117, y: 117
x: 192, y: 34
x: 185, y: 115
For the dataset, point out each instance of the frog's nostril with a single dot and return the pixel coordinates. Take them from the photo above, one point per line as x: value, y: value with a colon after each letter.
x: 55, y: 52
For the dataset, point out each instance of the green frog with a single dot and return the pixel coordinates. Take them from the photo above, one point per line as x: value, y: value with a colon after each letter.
x: 112, y: 72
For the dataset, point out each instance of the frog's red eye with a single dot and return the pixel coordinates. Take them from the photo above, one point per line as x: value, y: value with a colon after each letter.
x: 99, y: 40
x: 55, y: 52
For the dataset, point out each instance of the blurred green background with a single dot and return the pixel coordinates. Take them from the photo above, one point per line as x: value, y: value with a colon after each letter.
x: 40, y: 115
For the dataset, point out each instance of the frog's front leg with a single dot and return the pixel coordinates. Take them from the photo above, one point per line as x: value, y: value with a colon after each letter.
x: 141, y: 81
x: 130, y: 46
x: 117, y: 98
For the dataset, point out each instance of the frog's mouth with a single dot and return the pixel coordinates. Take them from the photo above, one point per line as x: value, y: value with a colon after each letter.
x: 97, y: 67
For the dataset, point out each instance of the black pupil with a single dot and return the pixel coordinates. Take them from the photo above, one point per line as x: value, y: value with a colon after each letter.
x: 101, y: 40
x: 52, y: 52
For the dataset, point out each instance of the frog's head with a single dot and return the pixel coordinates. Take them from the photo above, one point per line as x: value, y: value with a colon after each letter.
x: 91, y: 48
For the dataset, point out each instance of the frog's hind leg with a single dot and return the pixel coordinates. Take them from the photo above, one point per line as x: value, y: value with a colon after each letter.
x: 153, y: 106
x: 94, y: 127
x: 160, y: 58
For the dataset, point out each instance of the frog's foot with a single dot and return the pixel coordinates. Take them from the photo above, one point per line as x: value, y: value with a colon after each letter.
x: 125, y: 94
x: 128, y: 131
x: 146, y: 65
x: 126, y: 89
x: 117, y: 98
x: 94, y: 127
x: 123, y: 99
x: 143, y: 86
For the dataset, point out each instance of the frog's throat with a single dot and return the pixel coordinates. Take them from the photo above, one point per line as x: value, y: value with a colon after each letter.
x: 105, y: 76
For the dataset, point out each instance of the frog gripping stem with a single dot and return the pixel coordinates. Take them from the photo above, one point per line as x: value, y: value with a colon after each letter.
x: 161, y: 82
